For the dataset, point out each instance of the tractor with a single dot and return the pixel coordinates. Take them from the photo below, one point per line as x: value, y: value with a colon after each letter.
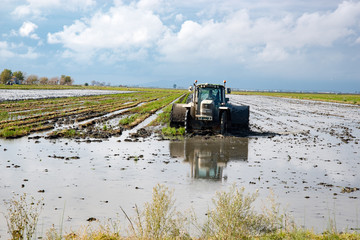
x: 208, y: 108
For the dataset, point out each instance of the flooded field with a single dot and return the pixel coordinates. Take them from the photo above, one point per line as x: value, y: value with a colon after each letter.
x: 10, y: 94
x: 305, y: 152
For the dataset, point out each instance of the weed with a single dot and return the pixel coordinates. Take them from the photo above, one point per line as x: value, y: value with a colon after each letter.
x: 159, y: 220
x: 69, y: 133
x: 172, y: 132
x: 129, y: 119
x: 13, y: 132
x: 22, y: 216
x: 4, y: 115
x: 235, y: 218
x: 232, y: 217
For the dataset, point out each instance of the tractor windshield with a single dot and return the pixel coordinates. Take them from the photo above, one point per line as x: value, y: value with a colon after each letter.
x: 210, y: 94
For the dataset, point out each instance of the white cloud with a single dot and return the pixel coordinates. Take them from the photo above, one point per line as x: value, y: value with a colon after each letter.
x: 35, y: 7
x: 8, y: 51
x: 131, y: 31
x: 272, y: 53
x: 27, y: 29
x: 121, y: 29
x: 238, y: 36
x: 5, y: 53
x: 151, y: 5
x: 30, y: 54
x: 179, y: 17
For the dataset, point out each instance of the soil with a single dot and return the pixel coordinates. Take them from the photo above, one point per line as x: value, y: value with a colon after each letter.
x: 305, y: 152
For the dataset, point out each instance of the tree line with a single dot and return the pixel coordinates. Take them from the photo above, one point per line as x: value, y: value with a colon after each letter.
x: 18, y: 77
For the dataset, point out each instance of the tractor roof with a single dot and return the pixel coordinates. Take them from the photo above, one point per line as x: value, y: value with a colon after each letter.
x: 207, y: 85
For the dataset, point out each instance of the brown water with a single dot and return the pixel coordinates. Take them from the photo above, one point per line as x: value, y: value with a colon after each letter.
x: 313, y: 156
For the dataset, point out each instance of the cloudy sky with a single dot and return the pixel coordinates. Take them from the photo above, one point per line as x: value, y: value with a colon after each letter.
x: 253, y: 44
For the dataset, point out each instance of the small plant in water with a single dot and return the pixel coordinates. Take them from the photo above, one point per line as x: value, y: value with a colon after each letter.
x: 22, y: 216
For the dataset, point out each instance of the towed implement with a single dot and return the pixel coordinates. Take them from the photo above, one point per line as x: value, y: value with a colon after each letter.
x: 209, y: 108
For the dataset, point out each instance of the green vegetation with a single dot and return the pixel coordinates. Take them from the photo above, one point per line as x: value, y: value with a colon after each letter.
x: 4, y: 115
x: 172, y: 132
x: 163, y: 119
x: 338, y: 98
x: 13, y: 132
x: 18, y: 78
x: 233, y: 217
x: 5, y: 76
x: 129, y: 119
x: 20, y: 118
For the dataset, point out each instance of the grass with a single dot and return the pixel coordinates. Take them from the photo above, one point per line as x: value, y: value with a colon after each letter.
x: 338, y: 98
x: 129, y: 119
x: 4, y: 115
x: 233, y: 216
x: 14, y: 132
x: 163, y: 119
x: 172, y: 132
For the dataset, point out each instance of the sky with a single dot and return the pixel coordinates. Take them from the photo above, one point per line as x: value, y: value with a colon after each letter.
x: 296, y: 45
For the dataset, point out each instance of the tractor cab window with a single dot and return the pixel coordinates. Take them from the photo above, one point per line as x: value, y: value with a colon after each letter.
x: 210, y: 94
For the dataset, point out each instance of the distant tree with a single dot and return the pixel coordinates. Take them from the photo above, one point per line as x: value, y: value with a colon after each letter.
x: 174, y: 85
x: 53, y: 81
x: 96, y: 83
x: 5, y: 76
x: 86, y: 84
x: 66, y: 80
x: 32, y: 80
x: 19, y: 75
x: 44, y: 80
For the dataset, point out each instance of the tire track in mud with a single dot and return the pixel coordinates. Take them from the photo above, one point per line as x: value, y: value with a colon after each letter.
x: 314, y: 119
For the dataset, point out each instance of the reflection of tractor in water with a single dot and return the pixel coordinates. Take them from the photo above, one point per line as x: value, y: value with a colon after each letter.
x: 209, y: 158
x: 209, y: 109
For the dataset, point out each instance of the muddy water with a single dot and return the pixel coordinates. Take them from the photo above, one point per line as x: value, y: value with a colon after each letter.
x: 16, y: 94
x: 306, y: 152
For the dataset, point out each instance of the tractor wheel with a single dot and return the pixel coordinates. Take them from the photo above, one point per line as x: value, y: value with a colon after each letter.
x: 223, y: 123
x: 187, y: 122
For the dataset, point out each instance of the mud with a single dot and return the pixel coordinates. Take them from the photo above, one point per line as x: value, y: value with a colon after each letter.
x: 305, y: 152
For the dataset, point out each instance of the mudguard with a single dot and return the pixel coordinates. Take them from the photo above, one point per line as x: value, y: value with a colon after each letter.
x: 177, y: 115
x: 239, y: 116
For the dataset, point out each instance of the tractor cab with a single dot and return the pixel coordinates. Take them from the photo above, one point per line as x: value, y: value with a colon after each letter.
x: 208, y: 99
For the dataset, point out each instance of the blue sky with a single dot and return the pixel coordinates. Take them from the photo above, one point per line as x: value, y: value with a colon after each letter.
x: 253, y: 44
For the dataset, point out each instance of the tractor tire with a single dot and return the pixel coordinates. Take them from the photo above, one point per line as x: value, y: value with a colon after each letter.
x: 223, y: 123
x: 187, y: 122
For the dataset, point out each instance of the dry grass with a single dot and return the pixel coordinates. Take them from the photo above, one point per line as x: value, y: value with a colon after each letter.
x: 232, y: 217
x: 22, y: 216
